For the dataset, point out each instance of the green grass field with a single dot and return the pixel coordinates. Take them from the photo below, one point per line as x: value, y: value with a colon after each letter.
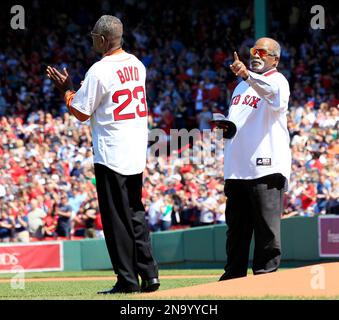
x: 107, y: 273
x: 86, y: 290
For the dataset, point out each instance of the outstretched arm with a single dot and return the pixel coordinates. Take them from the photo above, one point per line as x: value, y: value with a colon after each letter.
x: 267, y: 89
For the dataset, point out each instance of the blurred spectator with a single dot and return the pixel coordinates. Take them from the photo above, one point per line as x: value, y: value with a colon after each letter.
x: 50, y: 225
x: 204, y: 118
x: 308, y: 197
x: 154, y: 211
x: 64, y: 213
x: 77, y: 198
x: 220, y: 210
x: 6, y: 227
x: 35, y: 219
x: 99, y: 233
x: 77, y: 171
x: 79, y: 224
x: 21, y: 227
x: 323, y: 190
x: 207, y: 205
x: 332, y: 205
x: 200, y: 97
x: 166, y: 213
x: 91, y: 211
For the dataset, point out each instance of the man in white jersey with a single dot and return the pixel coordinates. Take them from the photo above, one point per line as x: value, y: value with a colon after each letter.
x: 113, y: 97
x: 257, y: 162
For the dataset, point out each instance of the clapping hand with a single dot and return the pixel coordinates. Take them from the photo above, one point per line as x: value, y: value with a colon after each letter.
x: 62, y: 80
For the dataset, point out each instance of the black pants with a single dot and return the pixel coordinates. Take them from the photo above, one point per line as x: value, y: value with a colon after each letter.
x: 253, y: 205
x: 125, y: 228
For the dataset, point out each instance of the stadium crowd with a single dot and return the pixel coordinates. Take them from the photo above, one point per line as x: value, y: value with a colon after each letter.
x: 47, y: 185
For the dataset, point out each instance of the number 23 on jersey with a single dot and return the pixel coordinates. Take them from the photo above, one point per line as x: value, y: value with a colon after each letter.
x: 125, y: 97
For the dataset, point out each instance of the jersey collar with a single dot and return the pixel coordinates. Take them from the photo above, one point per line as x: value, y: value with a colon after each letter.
x: 117, y: 51
x: 269, y: 72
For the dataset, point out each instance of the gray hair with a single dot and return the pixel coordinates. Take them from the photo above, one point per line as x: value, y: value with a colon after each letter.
x: 275, y: 45
x: 276, y: 48
x: 109, y: 26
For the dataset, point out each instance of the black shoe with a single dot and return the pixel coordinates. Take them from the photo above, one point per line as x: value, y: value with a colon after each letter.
x: 119, y: 290
x: 223, y: 277
x: 230, y: 277
x: 150, y: 285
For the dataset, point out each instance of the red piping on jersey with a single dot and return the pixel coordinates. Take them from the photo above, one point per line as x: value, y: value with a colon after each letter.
x: 270, y: 72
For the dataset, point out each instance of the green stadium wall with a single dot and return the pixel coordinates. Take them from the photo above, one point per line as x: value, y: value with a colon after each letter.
x: 200, y: 247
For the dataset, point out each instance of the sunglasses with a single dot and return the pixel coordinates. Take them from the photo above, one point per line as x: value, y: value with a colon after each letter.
x: 261, y: 52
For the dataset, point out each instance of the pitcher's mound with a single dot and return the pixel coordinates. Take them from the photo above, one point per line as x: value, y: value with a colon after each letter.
x: 321, y: 280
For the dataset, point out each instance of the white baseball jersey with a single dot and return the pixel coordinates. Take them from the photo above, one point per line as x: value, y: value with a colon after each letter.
x: 261, y: 144
x: 113, y: 94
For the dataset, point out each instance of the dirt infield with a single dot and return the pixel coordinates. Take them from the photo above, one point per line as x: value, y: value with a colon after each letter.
x: 320, y: 280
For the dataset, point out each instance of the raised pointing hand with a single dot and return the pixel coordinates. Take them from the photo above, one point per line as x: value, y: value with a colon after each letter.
x: 238, y: 68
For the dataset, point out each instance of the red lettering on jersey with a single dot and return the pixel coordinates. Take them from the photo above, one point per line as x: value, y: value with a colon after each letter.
x: 130, y: 70
x: 121, y: 77
x: 236, y: 99
x: 126, y: 73
x: 136, y: 74
x: 246, y: 100
x: 254, y: 102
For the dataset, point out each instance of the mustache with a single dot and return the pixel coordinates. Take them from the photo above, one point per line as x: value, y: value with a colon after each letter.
x: 256, y: 60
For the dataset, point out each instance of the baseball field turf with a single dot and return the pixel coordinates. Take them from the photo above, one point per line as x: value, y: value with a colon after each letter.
x: 83, y: 285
